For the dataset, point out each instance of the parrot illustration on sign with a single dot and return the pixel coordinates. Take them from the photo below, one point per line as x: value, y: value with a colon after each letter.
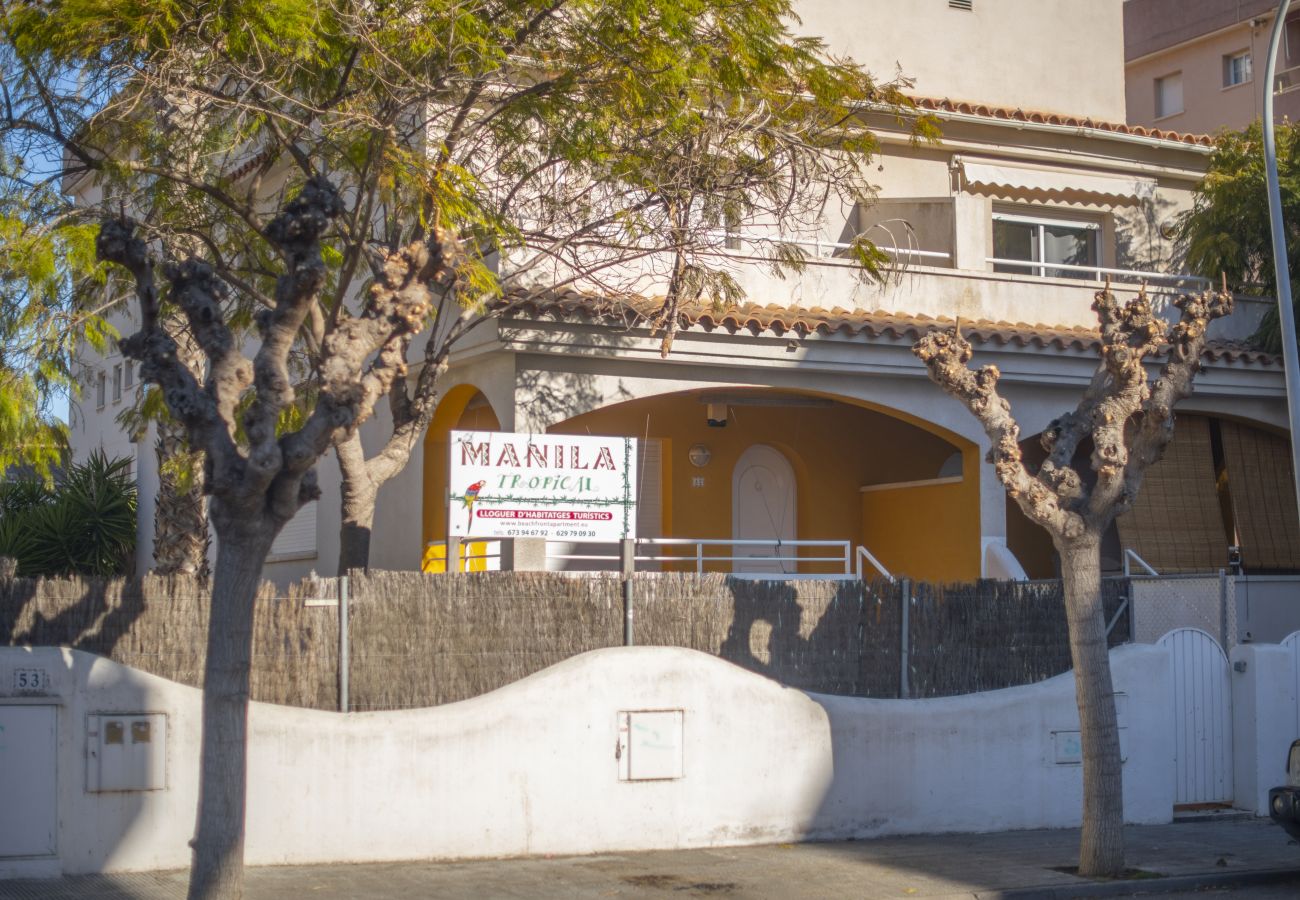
x: 467, y: 500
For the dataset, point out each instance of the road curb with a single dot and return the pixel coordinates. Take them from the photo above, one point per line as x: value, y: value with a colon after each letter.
x: 1133, y: 887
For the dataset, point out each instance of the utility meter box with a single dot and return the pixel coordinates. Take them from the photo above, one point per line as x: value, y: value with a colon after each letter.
x: 650, y: 745
x: 126, y: 752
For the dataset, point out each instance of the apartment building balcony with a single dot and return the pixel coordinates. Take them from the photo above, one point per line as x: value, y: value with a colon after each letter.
x: 916, y: 286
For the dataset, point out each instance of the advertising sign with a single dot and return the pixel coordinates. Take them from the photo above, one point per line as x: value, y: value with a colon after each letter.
x: 556, y: 486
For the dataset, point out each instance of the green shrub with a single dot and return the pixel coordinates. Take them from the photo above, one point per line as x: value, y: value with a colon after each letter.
x: 84, y: 525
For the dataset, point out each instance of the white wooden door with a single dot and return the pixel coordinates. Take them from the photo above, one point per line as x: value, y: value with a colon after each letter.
x: 1202, y: 717
x: 28, y: 802
x: 763, y: 509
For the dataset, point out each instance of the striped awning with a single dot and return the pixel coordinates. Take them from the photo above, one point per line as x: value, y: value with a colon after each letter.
x: 1042, y: 180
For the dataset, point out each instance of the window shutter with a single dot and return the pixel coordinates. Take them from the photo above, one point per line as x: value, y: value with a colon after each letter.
x: 298, y: 537
x: 1176, y: 523
x: 649, y: 504
x: 1169, y: 95
x: 1263, y: 496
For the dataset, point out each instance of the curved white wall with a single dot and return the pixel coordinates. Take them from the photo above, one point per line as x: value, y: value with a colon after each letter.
x: 531, y: 768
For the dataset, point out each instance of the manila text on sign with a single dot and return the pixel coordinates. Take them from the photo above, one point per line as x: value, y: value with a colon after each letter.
x: 557, y: 486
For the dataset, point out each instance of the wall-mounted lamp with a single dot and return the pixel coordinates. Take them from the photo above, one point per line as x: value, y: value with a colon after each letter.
x: 699, y: 455
x: 717, y: 415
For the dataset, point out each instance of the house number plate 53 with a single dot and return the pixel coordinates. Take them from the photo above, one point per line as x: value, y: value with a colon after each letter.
x: 31, y: 681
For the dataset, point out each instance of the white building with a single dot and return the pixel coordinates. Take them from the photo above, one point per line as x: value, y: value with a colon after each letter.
x: 1037, y: 193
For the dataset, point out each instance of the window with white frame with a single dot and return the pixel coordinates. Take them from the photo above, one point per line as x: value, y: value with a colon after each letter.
x: 1046, y: 247
x: 117, y: 383
x: 1236, y: 68
x: 101, y: 390
x: 129, y: 371
x: 1169, y: 95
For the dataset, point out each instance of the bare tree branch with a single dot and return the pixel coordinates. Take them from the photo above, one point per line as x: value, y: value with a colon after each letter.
x: 946, y: 354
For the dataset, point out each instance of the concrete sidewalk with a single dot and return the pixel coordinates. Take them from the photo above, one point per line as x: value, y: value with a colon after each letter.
x: 1185, y: 856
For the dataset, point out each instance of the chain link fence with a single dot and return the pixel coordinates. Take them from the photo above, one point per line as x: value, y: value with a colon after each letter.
x: 1164, y: 603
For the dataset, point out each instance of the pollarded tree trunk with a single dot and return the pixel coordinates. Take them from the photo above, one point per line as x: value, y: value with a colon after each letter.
x: 358, y: 492
x: 218, y: 866
x: 1129, y: 421
x: 411, y: 411
x: 259, y: 483
x: 354, y: 535
x: 1101, y: 847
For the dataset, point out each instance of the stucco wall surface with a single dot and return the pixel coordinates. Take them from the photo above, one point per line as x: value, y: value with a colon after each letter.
x: 1074, y: 50
x: 531, y: 768
x: 1264, y: 721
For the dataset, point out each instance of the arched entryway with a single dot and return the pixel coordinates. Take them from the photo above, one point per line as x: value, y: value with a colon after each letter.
x: 463, y: 408
x: 906, y: 489
x: 764, y: 508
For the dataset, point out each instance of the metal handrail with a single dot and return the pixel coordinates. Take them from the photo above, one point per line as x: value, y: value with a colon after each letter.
x: 862, y: 553
x: 819, y: 245
x: 1286, y: 80
x: 844, y: 558
x: 1099, y: 270
x: 1129, y: 553
x: 465, y: 558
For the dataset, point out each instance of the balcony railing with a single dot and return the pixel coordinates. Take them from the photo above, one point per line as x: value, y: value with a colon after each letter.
x: 662, y: 550
x: 830, y: 249
x: 822, y: 249
x: 1100, y: 273
x: 1287, y: 80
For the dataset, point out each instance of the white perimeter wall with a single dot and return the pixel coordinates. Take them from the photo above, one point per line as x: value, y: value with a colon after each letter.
x: 531, y: 768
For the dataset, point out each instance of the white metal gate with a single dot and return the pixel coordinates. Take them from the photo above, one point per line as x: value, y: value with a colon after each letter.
x: 1292, y: 643
x: 1202, y: 717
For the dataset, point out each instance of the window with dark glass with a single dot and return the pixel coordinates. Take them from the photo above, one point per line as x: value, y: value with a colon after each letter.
x: 1043, y: 247
x: 1236, y: 68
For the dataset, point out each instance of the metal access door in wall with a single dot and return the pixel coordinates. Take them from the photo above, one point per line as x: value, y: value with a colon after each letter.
x: 1202, y: 701
x: 28, y: 750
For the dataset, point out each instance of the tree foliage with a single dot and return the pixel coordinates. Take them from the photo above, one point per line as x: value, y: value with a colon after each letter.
x: 547, y: 144
x: 1227, y: 230
x: 350, y: 187
x: 46, y: 262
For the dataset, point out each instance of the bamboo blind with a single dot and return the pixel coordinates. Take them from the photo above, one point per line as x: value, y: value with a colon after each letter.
x: 1263, y: 496
x: 1176, y: 523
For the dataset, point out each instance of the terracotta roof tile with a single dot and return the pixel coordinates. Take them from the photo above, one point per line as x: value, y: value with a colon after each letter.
x: 942, y: 105
x: 756, y: 319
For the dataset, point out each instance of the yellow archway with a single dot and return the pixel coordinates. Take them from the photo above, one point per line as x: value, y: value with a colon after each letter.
x: 462, y: 407
x: 917, y: 522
